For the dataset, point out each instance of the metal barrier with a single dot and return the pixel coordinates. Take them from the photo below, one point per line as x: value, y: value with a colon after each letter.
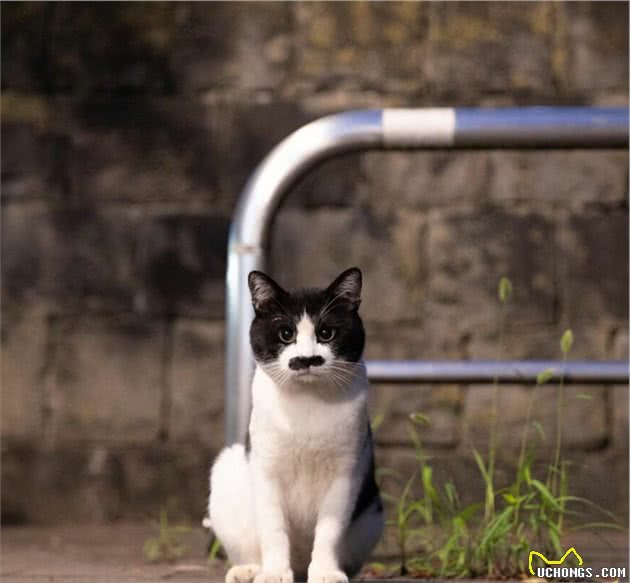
x: 439, y: 128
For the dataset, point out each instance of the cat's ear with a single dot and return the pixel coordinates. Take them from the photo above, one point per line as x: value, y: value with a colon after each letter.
x: 347, y: 287
x: 264, y: 290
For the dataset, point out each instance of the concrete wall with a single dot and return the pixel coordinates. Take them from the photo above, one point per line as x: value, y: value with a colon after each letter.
x: 128, y: 131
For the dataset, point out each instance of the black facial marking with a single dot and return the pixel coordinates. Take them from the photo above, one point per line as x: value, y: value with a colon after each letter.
x: 333, y: 308
x: 303, y: 362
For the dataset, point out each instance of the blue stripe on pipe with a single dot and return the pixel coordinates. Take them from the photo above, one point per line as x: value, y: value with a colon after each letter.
x: 524, y: 371
x: 542, y: 126
x: 470, y: 118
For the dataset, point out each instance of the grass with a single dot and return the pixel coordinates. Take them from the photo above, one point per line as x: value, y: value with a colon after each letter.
x: 166, y: 544
x: 491, y: 537
x: 214, y: 552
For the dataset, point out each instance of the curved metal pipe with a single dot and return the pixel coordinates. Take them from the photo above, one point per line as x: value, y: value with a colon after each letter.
x: 513, y: 371
x: 554, y: 127
x: 263, y: 192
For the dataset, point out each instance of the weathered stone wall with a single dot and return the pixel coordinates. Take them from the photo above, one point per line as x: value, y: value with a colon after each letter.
x: 128, y: 131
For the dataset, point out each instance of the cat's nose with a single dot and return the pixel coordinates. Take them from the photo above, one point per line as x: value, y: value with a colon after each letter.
x: 302, y: 362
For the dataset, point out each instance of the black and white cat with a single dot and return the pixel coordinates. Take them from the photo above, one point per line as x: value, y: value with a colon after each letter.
x: 299, y: 500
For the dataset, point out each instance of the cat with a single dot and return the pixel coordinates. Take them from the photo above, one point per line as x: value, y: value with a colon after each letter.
x: 299, y: 500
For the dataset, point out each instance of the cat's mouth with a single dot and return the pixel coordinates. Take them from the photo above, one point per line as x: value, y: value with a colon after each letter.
x: 307, y: 375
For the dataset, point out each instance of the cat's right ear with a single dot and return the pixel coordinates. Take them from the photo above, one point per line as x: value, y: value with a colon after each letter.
x: 264, y: 290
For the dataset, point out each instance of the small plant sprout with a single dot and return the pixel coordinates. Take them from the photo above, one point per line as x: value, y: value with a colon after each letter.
x: 505, y: 292
x: 215, y: 548
x: 505, y: 289
x: 557, y: 471
x: 544, y: 376
x: 377, y: 421
x: 566, y: 342
x: 166, y: 544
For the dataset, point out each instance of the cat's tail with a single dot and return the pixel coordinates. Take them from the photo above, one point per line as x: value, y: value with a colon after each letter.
x: 231, y: 506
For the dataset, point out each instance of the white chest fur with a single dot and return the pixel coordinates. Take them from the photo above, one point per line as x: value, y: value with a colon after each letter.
x: 305, y: 436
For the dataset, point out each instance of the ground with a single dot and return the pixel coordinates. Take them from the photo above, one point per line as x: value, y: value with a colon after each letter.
x: 98, y: 554
x: 113, y: 553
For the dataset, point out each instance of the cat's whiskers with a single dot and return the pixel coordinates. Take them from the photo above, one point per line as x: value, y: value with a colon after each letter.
x: 277, y: 373
x: 341, y: 376
x: 349, y: 370
x: 336, y: 374
x: 345, y: 364
x: 335, y: 382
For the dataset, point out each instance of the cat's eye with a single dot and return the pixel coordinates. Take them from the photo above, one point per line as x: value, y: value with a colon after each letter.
x: 286, y: 334
x: 326, y: 333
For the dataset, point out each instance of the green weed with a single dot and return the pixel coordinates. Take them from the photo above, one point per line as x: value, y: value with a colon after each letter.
x: 492, y: 537
x: 166, y: 545
x: 215, y: 549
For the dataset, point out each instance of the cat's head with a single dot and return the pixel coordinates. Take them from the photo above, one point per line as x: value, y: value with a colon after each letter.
x: 310, y: 334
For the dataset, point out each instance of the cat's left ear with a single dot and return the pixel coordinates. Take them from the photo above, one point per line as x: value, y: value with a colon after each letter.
x: 347, y: 286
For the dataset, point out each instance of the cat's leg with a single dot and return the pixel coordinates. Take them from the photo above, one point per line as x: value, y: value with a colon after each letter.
x: 274, y: 538
x: 231, y: 512
x: 361, y: 537
x: 332, y: 520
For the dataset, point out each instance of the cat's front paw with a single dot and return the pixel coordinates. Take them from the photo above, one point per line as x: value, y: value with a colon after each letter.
x: 323, y: 575
x: 274, y: 577
x: 242, y: 573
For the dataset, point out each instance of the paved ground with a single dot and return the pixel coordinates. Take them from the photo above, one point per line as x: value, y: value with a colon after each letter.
x: 98, y: 554
x: 113, y: 554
